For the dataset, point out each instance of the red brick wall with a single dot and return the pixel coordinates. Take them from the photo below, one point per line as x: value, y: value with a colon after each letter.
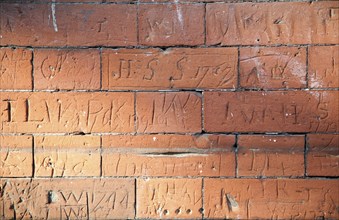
x: 169, y: 109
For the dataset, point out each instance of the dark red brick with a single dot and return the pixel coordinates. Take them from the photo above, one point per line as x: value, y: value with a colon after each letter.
x: 171, y: 24
x: 68, y: 25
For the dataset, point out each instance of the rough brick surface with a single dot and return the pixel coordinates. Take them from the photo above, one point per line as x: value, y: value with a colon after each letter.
x: 67, y: 156
x: 168, y: 198
x: 67, y: 112
x: 67, y: 198
x: 323, y: 155
x: 168, y: 112
x: 15, y: 68
x: 275, y: 67
x: 172, y: 142
x: 266, y: 199
x: 174, y: 68
x: 16, y: 156
x: 66, y: 69
x: 323, y: 67
x: 272, y: 23
x: 168, y: 155
x: 169, y: 109
x: 68, y: 25
x: 174, y: 164
x: 174, y: 24
x: 270, y: 155
x: 292, y: 111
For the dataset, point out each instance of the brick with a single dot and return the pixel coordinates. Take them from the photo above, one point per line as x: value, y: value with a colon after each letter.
x: 273, y: 67
x: 169, y: 198
x: 66, y: 69
x: 270, y: 155
x: 15, y: 68
x: 168, y: 112
x: 59, y: 156
x: 66, y: 112
x: 174, y: 24
x: 323, y: 155
x: 168, y: 155
x: 181, y: 68
x: 323, y: 67
x: 67, y: 198
x: 272, y: 23
x: 290, y: 111
x: 160, y: 142
x: 169, y: 164
x: 271, y: 198
x: 68, y: 25
x: 16, y: 156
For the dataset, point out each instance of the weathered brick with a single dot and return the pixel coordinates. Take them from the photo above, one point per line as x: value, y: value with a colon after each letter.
x: 323, y: 155
x: 173, y: 68
x: 272, y: 23
x: 168, y: 155
x: 323, y: 66
x: 16, y: 156
x: 67, y: 198
x: 168, y: 112
x: 15, y: 68
x: 168, y: 164
x: 270, y: 155
x: 169, y: 198
x: 292, y: 111
x: 271, y: 198
x: 160, y: 142
x: 66, y: 112
x: 56, y: 156
x: 68, y: 25
x: 273, y: 67
x: 171, y: 24
x: 66, y: 69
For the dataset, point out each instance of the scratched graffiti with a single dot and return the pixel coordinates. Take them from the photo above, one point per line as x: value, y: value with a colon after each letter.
x: 15, y: 68
x: 185, y: 164
x: 174, y: 68
x: 273, y: 67
x: 67, y: 199
x: 66, y: 69
x: 168, y: 112
x: 61, y: 112
x: 166, y: 198
x: 245, y: 199
x: 271, y: 24
x: 264, y: 111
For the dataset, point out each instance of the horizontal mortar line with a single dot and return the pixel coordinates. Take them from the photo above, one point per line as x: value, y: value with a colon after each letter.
x: 332, y: 178
x: 151, y: 3
x: 161, y: 133
x: 160, y: 151
x: 164, y: 48
x: 111, y: 91
x: 165, y: 151
x: 172, y: 90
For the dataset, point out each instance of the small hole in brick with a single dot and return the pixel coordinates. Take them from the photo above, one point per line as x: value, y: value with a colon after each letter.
x: 201, y: 210
x: 189, y: 211
x: 178, y: 211
x: 166, y: 212
x: 258, y: 40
